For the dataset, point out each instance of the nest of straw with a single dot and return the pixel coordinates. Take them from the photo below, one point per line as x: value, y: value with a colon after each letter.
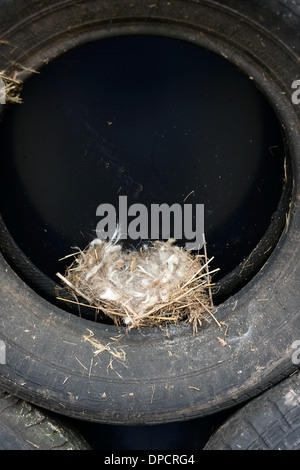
x: 160, y: 283
x: 10, y: 93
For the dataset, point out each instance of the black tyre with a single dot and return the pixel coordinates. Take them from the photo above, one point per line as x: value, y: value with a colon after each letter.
x: 25, y: 427
x: 99, y: 372
x: 269, y: 422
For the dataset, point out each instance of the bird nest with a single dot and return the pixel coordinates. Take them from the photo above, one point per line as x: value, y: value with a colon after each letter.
x: 157, y: 284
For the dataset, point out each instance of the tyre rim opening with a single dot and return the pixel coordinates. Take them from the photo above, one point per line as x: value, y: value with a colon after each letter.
x: 156, y: 119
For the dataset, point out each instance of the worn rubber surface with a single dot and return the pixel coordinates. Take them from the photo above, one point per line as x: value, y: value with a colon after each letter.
x: 25, y: 427
x: 99, y: 372
x: 269, y: 422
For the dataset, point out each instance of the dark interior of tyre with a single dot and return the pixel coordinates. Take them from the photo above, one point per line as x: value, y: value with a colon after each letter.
x: 187, y: 103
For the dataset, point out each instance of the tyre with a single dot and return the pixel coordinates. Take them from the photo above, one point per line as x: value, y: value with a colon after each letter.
x: 269, y: 422
x: 100, y: 372
x: 25, y: 427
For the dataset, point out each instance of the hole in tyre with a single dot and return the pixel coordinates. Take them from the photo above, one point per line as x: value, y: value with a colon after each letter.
x: 145, y: 118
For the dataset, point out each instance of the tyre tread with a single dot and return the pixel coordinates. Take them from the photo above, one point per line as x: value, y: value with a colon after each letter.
x: 268, y: 422
x: 24, y: 426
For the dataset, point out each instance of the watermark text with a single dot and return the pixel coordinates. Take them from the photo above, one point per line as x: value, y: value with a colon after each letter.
x: 161, y: 221
x: 296, y: 94
x: 296, y: 354
x: 2, y: 352
x: 2, y: 92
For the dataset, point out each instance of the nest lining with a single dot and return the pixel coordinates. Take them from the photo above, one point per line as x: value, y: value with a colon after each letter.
x: 160, y: 283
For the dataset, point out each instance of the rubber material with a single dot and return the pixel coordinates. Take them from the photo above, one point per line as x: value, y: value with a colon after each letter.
x: 99, y: 372
x: 25, y: 427
x: 269, y: 422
